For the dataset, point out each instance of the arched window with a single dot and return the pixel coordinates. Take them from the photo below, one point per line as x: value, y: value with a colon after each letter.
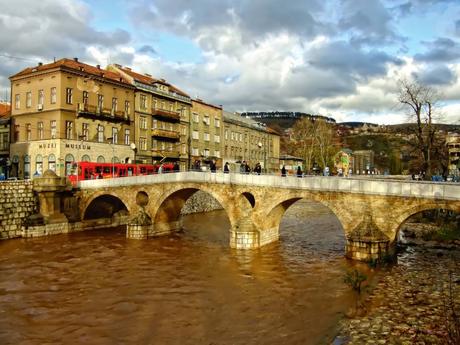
x: 26, y: 166
x: 69, y: 159
x: 115, y: 160
x: 86, y: 158
x: 52, y: 162
x: 100, y: 159
x: 39, y: 164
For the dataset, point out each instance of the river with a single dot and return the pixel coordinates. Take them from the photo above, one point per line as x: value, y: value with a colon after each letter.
x: 97, y: 287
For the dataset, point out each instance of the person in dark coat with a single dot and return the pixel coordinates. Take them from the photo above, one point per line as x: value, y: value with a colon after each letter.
x: 176, y: 167
x: 258, y: 169
x: 283, y: 171
x: 299, y: 172
x: 226, y: 168
x: 213, y: 167
x: 247, y: 169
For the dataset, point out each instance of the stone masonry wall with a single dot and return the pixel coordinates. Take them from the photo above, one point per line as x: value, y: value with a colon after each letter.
x: 17, y: 203
x: 201, y: 202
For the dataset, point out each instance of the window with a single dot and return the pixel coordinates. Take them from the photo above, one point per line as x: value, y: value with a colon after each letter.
x: 127, y: 108
x: 154, y: 104
x: 28, y: 131
x: 4, y: 142
x: 114, y: 104
x: 52, y: 162
x: 40, y: 130
x: 196, y: 118
x: 226, y: 134
x: 143, y: 122
x: 206, y: 136
x: 183, y: 130
x: 41, y: 97
x: 195, y: 135
x: 206, y: 120
x: 194, y: 151
x: 127, y: 137
x: 39, y: 164
x: 69, y: 130
x: 100, y: 133
x: 217, y: 123
x: 155, y: 123
x: 69, y: 95
x: 154, y: 144
x: 143, y: 143
x: 100, y: 102
x: 53, y: 95
x: 183, y: 149
x: 216, y: 138
x: 53, y: 129
x: 217, y: 153
x: 114, y: 135
x: 85, y: 98
x: 84, y: 131
x: 241, y: 137
x: 16, y: 133
x: 206, y: 152
x: 28, y: 99
x: 26, y: 166
x: 17, y: 101
x: 143, y: 102
x: 68, y: 164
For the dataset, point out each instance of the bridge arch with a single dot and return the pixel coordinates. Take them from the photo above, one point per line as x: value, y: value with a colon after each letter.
x: 166, y: 213
x: 104, y: 206
x: 402, y: 217
x: 250, y: 198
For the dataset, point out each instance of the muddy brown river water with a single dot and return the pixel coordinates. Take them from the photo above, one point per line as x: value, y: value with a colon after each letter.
x: 191, y: 288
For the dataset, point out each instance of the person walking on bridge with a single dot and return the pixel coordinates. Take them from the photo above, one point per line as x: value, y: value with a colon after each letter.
x: 299, y: 172
x: 283, y: 171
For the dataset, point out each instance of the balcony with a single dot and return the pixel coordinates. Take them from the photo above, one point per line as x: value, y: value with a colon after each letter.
x: 163, y: 133
x: 164, y: 153
x: 95, y: 113
x: 166, y: 114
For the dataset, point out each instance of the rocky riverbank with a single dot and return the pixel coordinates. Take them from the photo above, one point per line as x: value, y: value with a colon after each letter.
x: 410, y: 302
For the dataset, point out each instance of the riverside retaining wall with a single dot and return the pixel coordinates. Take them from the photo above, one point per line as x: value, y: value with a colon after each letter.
x: 17, y: 203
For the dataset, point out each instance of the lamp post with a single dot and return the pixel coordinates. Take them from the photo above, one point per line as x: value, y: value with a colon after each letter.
x: 134, y: 148
x: 113, y: 156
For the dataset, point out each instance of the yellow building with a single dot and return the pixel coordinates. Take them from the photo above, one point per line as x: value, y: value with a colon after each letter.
x: 68, y: 111
x: 161, y: 115
x: 250, y: 141
x: 453, y: 146
x: 206, y: 128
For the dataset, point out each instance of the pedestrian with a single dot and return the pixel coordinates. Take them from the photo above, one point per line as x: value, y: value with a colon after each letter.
x: 213, y: 166
x: 247, y: 169
x: 283, y: 171
x: 243, y: 167
x: 258, y: 169
x: 176, y: 167
x: 226, y: 168
x: 299, y: 172
x: 160, y: 169
x: 100, y: 176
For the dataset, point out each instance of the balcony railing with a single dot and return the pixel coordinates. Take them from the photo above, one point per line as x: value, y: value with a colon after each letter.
x: 103, y: 114
x: 162, y: 133
x: 164, y: 153
x: 166, y: 114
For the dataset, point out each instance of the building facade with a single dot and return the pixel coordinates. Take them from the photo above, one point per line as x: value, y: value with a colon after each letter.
x: 206, y: 128
x: 363, y: 162
x: 68, y: 111
x: 5, y: 163
x: 162, y: 114
x: 247, y: 140
x: 453, y: 146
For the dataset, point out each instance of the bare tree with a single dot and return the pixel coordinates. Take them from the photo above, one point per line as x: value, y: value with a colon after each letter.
x: 325, y: 141
x: 421, y: 102
x: 303, y: 135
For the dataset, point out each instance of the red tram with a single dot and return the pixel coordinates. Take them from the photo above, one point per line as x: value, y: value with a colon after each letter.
x: 91, y: 170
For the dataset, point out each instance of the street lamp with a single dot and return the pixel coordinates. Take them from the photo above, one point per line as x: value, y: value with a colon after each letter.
x: 113, y: 156
x: 134, y: 148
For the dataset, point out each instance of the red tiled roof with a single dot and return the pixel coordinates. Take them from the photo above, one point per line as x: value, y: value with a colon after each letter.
x: 5, y: 110
x: 197, y: 100
x: 73, y: 65
x: 142, y: 78
x: 272, y: 131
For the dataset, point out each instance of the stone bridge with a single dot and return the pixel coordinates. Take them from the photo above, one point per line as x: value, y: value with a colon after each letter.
x: 370, y: 211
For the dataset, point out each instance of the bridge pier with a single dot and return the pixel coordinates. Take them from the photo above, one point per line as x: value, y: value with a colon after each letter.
x: 367, y: 242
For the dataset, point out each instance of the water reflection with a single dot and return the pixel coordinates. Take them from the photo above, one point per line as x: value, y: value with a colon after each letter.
x: 190, y: 288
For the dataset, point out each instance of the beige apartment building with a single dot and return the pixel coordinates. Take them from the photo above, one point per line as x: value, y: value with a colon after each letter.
x: 206, y: 128
x: 162, y: 114
x: 68, y: 111
x: 250, y: 141
x: 453, y: 147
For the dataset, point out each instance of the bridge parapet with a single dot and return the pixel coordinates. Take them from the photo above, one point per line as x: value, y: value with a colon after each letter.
x: 431, y: 190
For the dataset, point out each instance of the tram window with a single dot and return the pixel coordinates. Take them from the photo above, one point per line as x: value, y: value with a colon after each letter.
x: 98, y: 169
x: 130, y: 171
x: 106, y: 170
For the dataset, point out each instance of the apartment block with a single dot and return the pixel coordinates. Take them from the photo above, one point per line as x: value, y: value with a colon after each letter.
x: 69, y: 111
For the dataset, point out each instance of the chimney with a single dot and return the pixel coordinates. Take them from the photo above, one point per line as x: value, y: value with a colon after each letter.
x: 75, y: 59
x: 40, y: 64
x: 98, y: 66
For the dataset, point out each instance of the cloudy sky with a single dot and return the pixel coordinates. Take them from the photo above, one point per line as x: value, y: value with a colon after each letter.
x: 340, y: 58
